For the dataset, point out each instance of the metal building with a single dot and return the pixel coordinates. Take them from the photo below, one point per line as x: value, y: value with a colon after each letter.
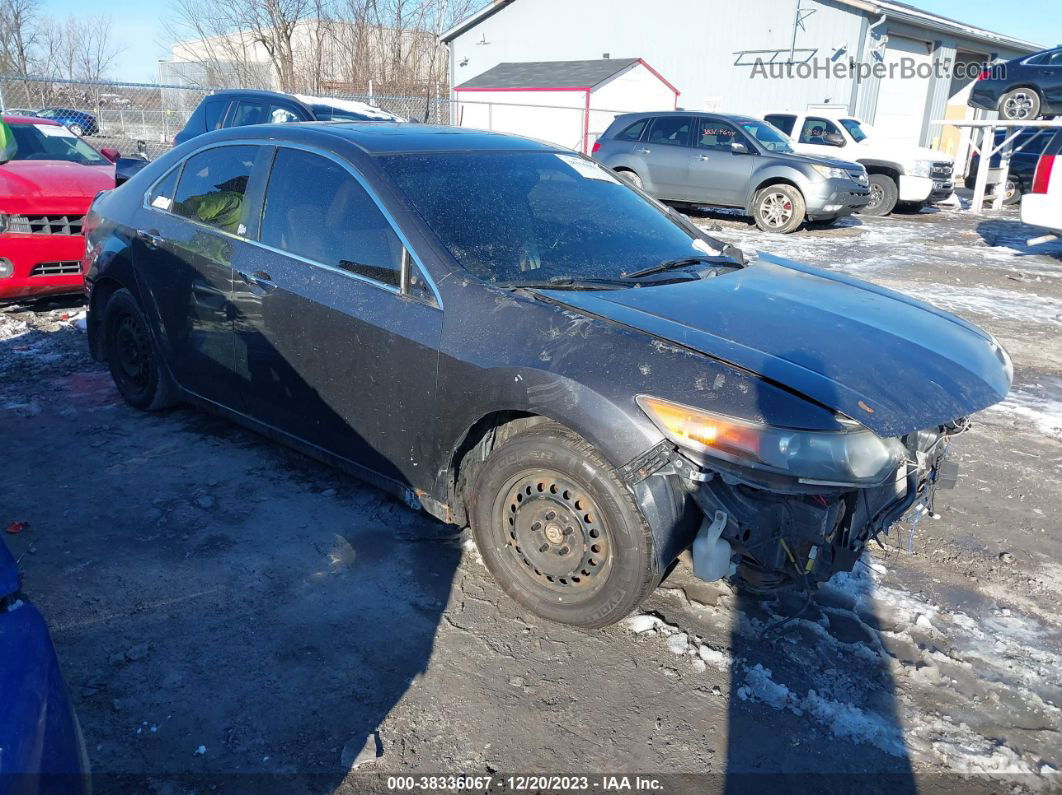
x: 887, y: 63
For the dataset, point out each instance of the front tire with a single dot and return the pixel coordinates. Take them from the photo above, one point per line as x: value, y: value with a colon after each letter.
x: 884, y: 193
x: 778, y: 208
x: 138, y: 372
x: 1012, y: 191
x: 1020, y: 104
x: 559, y: 530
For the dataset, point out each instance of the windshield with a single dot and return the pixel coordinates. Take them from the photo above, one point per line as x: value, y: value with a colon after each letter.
x: 52, y: 142
x: 531, y: 216
x: 769, y: 137
x: 855, y: 130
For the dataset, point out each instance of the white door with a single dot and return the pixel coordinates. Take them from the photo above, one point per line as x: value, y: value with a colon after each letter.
x: 903, y: 91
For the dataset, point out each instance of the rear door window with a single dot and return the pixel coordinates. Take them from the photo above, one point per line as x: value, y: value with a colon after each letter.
x: 213, y: 187
x: 337, y: 223
x: 674, y: 130
x: 248, y: 113
x: 782, y: 121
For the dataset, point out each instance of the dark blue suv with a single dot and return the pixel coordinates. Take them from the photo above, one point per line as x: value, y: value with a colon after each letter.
x: 241, y: 108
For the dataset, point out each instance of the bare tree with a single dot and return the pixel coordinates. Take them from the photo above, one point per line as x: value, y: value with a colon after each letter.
x: 19, y: 29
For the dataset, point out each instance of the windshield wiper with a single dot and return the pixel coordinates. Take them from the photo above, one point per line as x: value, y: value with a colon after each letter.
x: 682, y: 262
x: 569, y: 283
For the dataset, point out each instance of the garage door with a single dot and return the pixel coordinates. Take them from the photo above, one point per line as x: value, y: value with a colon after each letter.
x: 903, y: 90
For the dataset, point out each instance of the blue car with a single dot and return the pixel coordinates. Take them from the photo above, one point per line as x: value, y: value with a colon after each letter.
x: 79, y: 122
x: 41, y: 747
x: 1028, y: 146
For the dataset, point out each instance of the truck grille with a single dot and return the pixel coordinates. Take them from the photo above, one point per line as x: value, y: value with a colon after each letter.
x: 65, y: 267
x: 941, y: 171
x: 46, y: 224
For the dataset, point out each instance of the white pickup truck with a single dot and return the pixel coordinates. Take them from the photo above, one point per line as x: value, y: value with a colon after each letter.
x: 899, y: 174
x: 1042, y: 205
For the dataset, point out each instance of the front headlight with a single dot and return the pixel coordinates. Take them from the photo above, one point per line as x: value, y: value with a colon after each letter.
x: 922, y: 168
x: 827, y: 172
x: 852, y: 456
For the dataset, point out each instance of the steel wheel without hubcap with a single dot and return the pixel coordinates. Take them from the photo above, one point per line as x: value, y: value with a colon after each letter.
x: 77, y: 130
x: 776, y: 209
x: 877, y: 196
x: 133, y: 353
x: 554, y: 534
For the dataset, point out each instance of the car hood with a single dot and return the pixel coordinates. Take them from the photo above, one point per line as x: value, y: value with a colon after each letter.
x: 823, y: 160
x: 890, y: 362
x: 51, y: 185
x: 908, y: 154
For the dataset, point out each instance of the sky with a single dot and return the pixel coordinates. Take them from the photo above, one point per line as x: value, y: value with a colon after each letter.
x: 140, y: 30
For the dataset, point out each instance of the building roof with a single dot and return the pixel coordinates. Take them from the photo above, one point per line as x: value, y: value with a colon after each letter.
x: 907, y: 13
x: 549, y: 74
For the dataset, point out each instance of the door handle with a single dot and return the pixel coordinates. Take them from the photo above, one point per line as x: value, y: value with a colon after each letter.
x: 150, y: 237
x: 258, y: 279
x: 642, y: 150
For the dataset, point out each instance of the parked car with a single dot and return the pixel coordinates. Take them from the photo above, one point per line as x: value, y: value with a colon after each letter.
x: 1042, y: 205
x: 48, y: 178
x: 509, y: 335
x: 241, y: 108
x: 730, y: 161
x: 1028, y: 146
x: 41, y: 746
x: 911, y: 176
x: 1023, y: 89
x: 79, y: 122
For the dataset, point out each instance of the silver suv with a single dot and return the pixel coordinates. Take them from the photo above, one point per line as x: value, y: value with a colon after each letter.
x: 731, y: 161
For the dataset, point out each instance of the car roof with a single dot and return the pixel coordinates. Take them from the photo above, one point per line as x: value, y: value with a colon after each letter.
x: 381, y: 137
x: 711, y: 114
x: 29, y: 120
x: 235, y: 93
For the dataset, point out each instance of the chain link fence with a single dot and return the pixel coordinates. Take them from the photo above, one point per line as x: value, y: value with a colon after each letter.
x: 144, y: 117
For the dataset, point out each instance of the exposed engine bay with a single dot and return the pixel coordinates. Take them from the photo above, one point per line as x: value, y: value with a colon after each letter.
x: 774, y: 535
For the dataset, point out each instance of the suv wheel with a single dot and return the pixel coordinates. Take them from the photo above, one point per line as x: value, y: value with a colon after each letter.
x: 633, y: 178
x: 884, y: 194
x: 559, y: 530
x: 1020, y: 104
x: 778, y: 208
x: 138, y: 372
x: 76, y: 129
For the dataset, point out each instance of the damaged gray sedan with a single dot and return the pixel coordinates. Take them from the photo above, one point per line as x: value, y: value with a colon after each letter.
x: 510, y: 337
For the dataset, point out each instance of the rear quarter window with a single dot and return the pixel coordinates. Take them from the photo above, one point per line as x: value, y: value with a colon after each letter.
x: 632, y: 132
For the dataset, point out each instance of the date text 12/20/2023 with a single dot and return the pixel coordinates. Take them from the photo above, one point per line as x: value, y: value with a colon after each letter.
x: 533, y: 783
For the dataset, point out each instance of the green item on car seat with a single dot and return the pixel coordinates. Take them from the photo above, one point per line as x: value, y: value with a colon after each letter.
x: 222, y: 209
x: 7, y: 143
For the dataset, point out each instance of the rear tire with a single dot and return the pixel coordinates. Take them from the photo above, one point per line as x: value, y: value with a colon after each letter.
x: 136, y: 367
x: 631, y: 177
x: 1020, y: 104
x: 77, y: 129
x: 884, y: 193
x: 559, y: 530
x: 778, y: 208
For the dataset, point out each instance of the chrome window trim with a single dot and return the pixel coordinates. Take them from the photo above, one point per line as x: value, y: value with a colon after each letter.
x: 408, y: 249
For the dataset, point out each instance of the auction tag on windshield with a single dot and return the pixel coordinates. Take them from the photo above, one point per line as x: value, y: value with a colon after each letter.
x: 54, y: 131
x: 587, y: 169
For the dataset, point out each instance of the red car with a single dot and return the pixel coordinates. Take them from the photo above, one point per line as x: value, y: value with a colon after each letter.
x: 45, y: 191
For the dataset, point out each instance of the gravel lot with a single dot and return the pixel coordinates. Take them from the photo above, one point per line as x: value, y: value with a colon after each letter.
x: 224, y: 606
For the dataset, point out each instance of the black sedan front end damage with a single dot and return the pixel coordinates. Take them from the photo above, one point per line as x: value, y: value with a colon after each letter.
x: 770, y: 532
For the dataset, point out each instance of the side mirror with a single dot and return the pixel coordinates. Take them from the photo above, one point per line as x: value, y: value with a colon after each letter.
x: 111, y: 154
x: 834, y: 139
x: 739, y: 148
